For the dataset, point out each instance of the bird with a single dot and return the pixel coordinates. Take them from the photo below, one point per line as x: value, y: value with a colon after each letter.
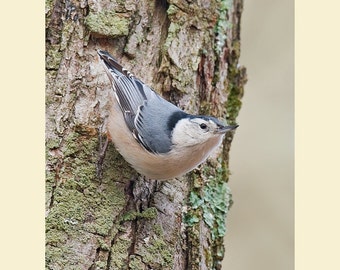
x: 157, y: 138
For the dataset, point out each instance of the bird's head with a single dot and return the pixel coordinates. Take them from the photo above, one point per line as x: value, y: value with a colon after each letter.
x: 191, y: 130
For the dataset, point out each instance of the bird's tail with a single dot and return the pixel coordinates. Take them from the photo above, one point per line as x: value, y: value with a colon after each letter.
x: 112, y: 65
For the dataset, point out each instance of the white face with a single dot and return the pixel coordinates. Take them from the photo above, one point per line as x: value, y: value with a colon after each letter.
x: 189, y: 132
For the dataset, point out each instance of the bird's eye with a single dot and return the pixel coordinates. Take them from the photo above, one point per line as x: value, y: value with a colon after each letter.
x: 203, y: 126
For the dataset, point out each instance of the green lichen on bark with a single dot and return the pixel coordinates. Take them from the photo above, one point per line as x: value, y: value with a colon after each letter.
x: 136, y: 263
x: 149, y: 213
x: 236, y: 80
x: 172, y: 33
x: 119, y: 251
x: 53, y: 57
x: 234, y: 103
x: 107, y: 23
x: 222, y: 25
x: 209, y: 201
x: 157, y: 253
x: 81, y: 207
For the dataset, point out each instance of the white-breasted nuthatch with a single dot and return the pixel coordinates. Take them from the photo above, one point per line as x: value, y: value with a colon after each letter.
x: 157, y: 138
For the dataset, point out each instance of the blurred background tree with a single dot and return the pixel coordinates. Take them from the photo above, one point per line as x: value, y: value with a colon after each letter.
x: 261, y: 222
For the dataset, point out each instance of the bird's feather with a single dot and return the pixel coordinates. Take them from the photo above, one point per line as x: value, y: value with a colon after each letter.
x: 145, y: 112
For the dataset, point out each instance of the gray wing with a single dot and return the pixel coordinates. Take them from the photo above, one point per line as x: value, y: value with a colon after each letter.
x: 146, y: 113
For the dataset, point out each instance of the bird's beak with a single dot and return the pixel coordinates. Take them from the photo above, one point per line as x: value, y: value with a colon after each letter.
x: 224, y: 129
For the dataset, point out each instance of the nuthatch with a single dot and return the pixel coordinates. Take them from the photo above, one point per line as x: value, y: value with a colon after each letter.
x: 157, y: 138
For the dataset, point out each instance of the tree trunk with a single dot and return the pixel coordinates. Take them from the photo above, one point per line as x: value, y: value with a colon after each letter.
x: 99, y: 213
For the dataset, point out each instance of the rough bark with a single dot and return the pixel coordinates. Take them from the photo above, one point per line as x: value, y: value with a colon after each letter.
x: 99, y: 213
